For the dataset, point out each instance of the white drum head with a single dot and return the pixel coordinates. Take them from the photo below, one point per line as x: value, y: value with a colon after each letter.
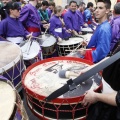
x: 44, y: 78
x: 7, y: 100
x: 71, y: 41
x: 10, y: 54
x: 30, y: 50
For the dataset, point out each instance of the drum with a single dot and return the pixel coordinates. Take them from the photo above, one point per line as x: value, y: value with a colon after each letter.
x: 11, y: 63
x: 70, y: 44
x: 42, y: 78
x: 10, y: 102
x: 30, y: 49
x: 48, y: 44
x: 87, y: 30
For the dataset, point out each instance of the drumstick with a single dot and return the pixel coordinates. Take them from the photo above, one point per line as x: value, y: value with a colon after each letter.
x: 79, y: 50
x: 36, y: 37
x: 29, y: 48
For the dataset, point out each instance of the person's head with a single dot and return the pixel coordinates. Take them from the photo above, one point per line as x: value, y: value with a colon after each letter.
x: 67, y: 7
x: 51, y: 5
x: 44, y: 5
x: 58, y: 10
x: 73, y: 6
x: 33, y: 2
x: 13, y: 9
x: 82, y: 6
x: 102, y: 9
x: 5, y: 2
x: 90, y: 6
x: 116, y: 10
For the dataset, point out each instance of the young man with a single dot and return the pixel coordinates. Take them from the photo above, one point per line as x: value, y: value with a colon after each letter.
x: 80, y: 12
x: 88, y: 13
x: 72, y: 19
x: 115, y: 23
x: 101, y: 39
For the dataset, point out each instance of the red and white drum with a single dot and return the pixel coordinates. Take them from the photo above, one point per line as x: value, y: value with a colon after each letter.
x: 42, y: 78
x: 11, y: 106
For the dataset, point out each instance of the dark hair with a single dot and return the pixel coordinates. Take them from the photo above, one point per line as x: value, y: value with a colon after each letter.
x: 13, y: 6
x: 106, y: 2
x: 117, y: 8
x: 81, y: 4
x: 90, y: 4
x: 72, y: 2
x: 45, y: 3
x: 51, y: 3
x: 66, y: 6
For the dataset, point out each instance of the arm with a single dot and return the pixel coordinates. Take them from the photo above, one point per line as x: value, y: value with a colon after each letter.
x: 3, y: 28
x: 52, y: 28
x: 68, y: 22
x: 92, y: 97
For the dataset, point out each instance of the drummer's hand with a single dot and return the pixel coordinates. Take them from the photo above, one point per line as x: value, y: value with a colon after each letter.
x: 46, y: 26
x: 86, y: 25
x: 59, y: 39
x: 29, y: 35
x: 80, y: 33
x: 43, y: 21
x: 82, y: 51
x: 69, y: 31
x: 90, y: 98
x: 84, y: 43
x: 75, y: 33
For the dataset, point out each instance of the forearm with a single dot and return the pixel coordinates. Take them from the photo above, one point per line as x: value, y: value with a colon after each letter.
x: 107, y: 98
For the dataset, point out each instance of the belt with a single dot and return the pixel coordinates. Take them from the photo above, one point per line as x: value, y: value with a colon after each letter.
x: 33, y: 29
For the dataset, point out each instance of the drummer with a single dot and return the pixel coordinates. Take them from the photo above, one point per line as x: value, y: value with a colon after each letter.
x: 101, y: 39
x: 30, y: 18
x: 57, y: 25
x: 72, y: 19
x: 11, y: 28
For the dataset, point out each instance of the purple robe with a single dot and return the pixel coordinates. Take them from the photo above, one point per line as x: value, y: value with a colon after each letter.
x: 115, y: 23
x: 11, y: 27
x: 49, y: 12
x: 72, y: 20
x: 81, y: 17
x: 30, y: 19
x: 57, y: 29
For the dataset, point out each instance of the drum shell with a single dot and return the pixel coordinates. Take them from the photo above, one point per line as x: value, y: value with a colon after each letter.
x: 13, y: 71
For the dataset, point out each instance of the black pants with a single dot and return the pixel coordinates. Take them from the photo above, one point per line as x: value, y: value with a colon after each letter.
x: 102, y: 111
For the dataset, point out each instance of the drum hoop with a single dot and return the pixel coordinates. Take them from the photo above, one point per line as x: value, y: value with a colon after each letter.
x: 57, y: 100
x: 11, y: 64
x: 38, y: 46
x: 15, y: 107
x: 76, y: 42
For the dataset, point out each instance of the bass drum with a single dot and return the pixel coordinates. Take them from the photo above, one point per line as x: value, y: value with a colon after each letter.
x: 42, y: 78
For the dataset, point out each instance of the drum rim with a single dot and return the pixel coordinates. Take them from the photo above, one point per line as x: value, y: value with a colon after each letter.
x: 68, y: 44
x: 38, y: 46
x: 12, y: 63
x: 12, y: 115
x: 57, y: 100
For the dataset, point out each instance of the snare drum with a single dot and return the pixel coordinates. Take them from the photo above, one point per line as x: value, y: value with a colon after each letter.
x: 11, y: 106
x: 30, y: 49
x: 48, y: 44
x: 11, y: 63
x: 42, y: 78
x: 70, y: 44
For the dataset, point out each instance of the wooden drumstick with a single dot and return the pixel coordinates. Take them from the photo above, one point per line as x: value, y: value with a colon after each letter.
x: 79, y: 50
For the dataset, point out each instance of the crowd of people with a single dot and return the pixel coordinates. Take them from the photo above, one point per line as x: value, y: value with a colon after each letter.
x: 21, y: 20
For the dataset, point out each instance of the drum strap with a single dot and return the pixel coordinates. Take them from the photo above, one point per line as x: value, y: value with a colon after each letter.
x: 71, y: 84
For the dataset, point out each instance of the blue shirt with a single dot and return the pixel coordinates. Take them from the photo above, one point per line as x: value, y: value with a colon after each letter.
x: 101, y: 40
x: 87, y: 15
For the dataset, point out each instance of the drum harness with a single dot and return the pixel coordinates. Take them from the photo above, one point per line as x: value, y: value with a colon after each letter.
x: 71, y: 84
